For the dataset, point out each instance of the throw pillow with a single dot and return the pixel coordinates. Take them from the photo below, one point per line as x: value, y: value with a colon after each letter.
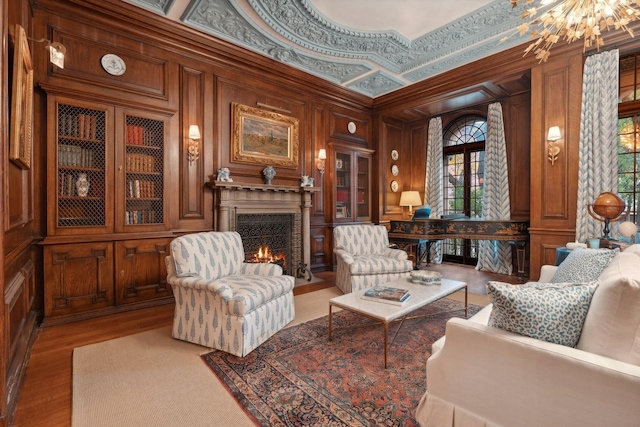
x: 612, y: 325
x: 583, y: 265
x: 552, y: 312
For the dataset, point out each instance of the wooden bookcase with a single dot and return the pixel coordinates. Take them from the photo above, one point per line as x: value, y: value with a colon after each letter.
x: 351, y: 185
x: 105, y: 246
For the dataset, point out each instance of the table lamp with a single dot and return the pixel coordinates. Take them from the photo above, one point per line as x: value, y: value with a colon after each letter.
x: 411, y: 199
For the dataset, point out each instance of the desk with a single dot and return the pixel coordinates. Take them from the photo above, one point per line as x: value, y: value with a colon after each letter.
x: 422, y: 248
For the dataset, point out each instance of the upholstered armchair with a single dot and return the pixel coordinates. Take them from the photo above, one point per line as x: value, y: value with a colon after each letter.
x: 221, y: 301
x: 365, y: 259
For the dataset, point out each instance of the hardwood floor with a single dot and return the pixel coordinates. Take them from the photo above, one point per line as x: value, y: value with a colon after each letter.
x: 45, y: 398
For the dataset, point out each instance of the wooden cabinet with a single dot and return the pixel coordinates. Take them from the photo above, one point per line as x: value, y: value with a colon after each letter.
x: 351, y: 198
x: 107, y: 233
x: 106, y: 169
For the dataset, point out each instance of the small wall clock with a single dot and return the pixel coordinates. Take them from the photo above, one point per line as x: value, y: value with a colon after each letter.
x: 394, y: 170
x: 351, y: 127
x: 394, y: 186
x: 113, y: 64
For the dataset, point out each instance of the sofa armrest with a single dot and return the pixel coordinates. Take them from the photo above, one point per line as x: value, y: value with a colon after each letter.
x: 398, y: 254
x: 261, y: 269
x: 546, y: 273
x: 511, y: 380
x: 343, y: 255
x: 196, y: 282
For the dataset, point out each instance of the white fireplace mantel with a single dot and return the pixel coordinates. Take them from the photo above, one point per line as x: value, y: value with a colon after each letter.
x: 247, y: 198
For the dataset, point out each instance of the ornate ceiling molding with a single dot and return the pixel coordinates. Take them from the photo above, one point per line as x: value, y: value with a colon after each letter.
x: 370, y: 62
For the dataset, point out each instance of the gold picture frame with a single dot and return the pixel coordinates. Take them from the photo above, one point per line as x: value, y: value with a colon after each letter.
x: 262, y: 137
x: 21, y: 102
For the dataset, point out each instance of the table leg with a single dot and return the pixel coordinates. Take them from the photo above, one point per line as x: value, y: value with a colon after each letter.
x: 330, y: 318
x: 386, y: 335
x: 466, y: 305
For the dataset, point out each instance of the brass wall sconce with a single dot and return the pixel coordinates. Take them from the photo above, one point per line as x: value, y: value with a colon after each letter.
x: 322, y: 159
x: 553, y: 149
x: 56, y: 51
x: 193, y: 151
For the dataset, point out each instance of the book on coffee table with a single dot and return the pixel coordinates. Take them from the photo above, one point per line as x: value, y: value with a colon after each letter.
x: 387, y: 295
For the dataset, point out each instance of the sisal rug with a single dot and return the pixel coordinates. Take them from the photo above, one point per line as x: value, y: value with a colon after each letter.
x: 300, y: 378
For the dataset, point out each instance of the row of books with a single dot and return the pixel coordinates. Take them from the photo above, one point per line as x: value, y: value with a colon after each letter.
x: 141, y: 189
x: 140, y: 163
x: 73, y: 155
x: 342, y: 181
x: 141, y: 217
x: 342, y: 195
x: 77, y: 125
x: 67, y: 185
x: 387, y: 295
x: 138, y: 135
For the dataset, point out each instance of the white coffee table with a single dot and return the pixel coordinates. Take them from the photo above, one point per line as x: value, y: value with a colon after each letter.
x: 421, y: 295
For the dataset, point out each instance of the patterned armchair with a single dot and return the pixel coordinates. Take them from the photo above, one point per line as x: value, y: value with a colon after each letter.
x: 365, y: 259
x: 221, y: 301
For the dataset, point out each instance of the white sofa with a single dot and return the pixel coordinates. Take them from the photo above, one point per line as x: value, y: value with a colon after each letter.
x: 364, y: 258
x: 479, y: 375
x: 221, y: 301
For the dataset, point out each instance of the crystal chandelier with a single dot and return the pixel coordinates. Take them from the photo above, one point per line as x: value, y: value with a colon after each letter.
x: 571, y: 20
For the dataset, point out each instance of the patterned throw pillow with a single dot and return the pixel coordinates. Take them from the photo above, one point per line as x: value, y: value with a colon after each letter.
x: 583, y: 265
x: 552, y: 312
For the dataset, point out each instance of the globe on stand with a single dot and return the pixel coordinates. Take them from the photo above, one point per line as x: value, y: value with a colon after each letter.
x: 608, y: 207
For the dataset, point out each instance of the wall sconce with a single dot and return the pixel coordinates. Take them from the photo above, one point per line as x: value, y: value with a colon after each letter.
x: 322, y: 158
x: 56, y: 51
x: 554, y: 149
x: 411, y: 199
x: 193, y: 149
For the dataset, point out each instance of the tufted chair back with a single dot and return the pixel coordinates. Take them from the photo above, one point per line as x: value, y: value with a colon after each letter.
x: 361, y: 239
x: 210, y: 255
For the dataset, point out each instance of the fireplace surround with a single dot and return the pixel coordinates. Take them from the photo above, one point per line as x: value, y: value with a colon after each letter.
x: 235, y: 201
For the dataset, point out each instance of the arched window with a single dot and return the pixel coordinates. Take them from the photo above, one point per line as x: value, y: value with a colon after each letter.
x: 463, y: 150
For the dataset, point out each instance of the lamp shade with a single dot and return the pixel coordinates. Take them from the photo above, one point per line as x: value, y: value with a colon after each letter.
x: 322, y: 154
x: 627, y: 229
x: 194, y: 132
x: 554, y: 133
x: 410, y: 198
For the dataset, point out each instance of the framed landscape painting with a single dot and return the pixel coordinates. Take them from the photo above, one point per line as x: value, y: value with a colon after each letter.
x: 263, y: 137
x: 21, y: 102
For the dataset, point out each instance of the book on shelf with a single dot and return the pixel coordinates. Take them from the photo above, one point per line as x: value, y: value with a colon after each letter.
x: 388, y: 295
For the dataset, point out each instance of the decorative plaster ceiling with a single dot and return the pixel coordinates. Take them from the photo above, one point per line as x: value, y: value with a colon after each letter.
x: 370, y: 46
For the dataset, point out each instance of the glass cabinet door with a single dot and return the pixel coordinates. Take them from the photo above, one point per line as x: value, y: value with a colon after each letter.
x: 363, y: 194
x: 343, y: 186
x: 80, y: 168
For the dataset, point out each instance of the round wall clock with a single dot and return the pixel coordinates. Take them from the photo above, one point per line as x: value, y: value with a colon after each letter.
x: 394, y: 154
x: 394, y: 186
x: 113, y: 64
x: 351, y: 127
x: 394, y: 170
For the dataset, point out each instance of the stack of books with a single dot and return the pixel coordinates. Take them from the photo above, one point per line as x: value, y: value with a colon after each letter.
x: 387, y: 295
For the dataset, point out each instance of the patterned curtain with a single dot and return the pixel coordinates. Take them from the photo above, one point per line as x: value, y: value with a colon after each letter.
x: 493, y: 255
x: 598, y: 157
x: 433, y: 183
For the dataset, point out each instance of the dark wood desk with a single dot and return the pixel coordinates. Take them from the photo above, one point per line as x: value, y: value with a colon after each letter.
x: 512, y: 231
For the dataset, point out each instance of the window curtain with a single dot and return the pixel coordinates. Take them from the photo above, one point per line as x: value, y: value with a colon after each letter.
x: 493, y: 255
x: 433, y: 183
x: 598, y: 156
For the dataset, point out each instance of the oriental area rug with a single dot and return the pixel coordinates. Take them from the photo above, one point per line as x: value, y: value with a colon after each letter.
x: 300, y: 378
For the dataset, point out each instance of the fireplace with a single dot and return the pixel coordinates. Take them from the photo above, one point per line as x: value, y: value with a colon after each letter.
x: 271, y: 238
x: 273, y: 215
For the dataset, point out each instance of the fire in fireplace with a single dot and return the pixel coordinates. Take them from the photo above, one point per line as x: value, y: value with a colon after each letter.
x: 271, y: 237
x: 264, y: 255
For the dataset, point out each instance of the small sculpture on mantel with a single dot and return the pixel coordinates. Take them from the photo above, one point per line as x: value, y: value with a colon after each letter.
x: 269, y: 173
x: 306, y: 181
x: 224, y: 175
